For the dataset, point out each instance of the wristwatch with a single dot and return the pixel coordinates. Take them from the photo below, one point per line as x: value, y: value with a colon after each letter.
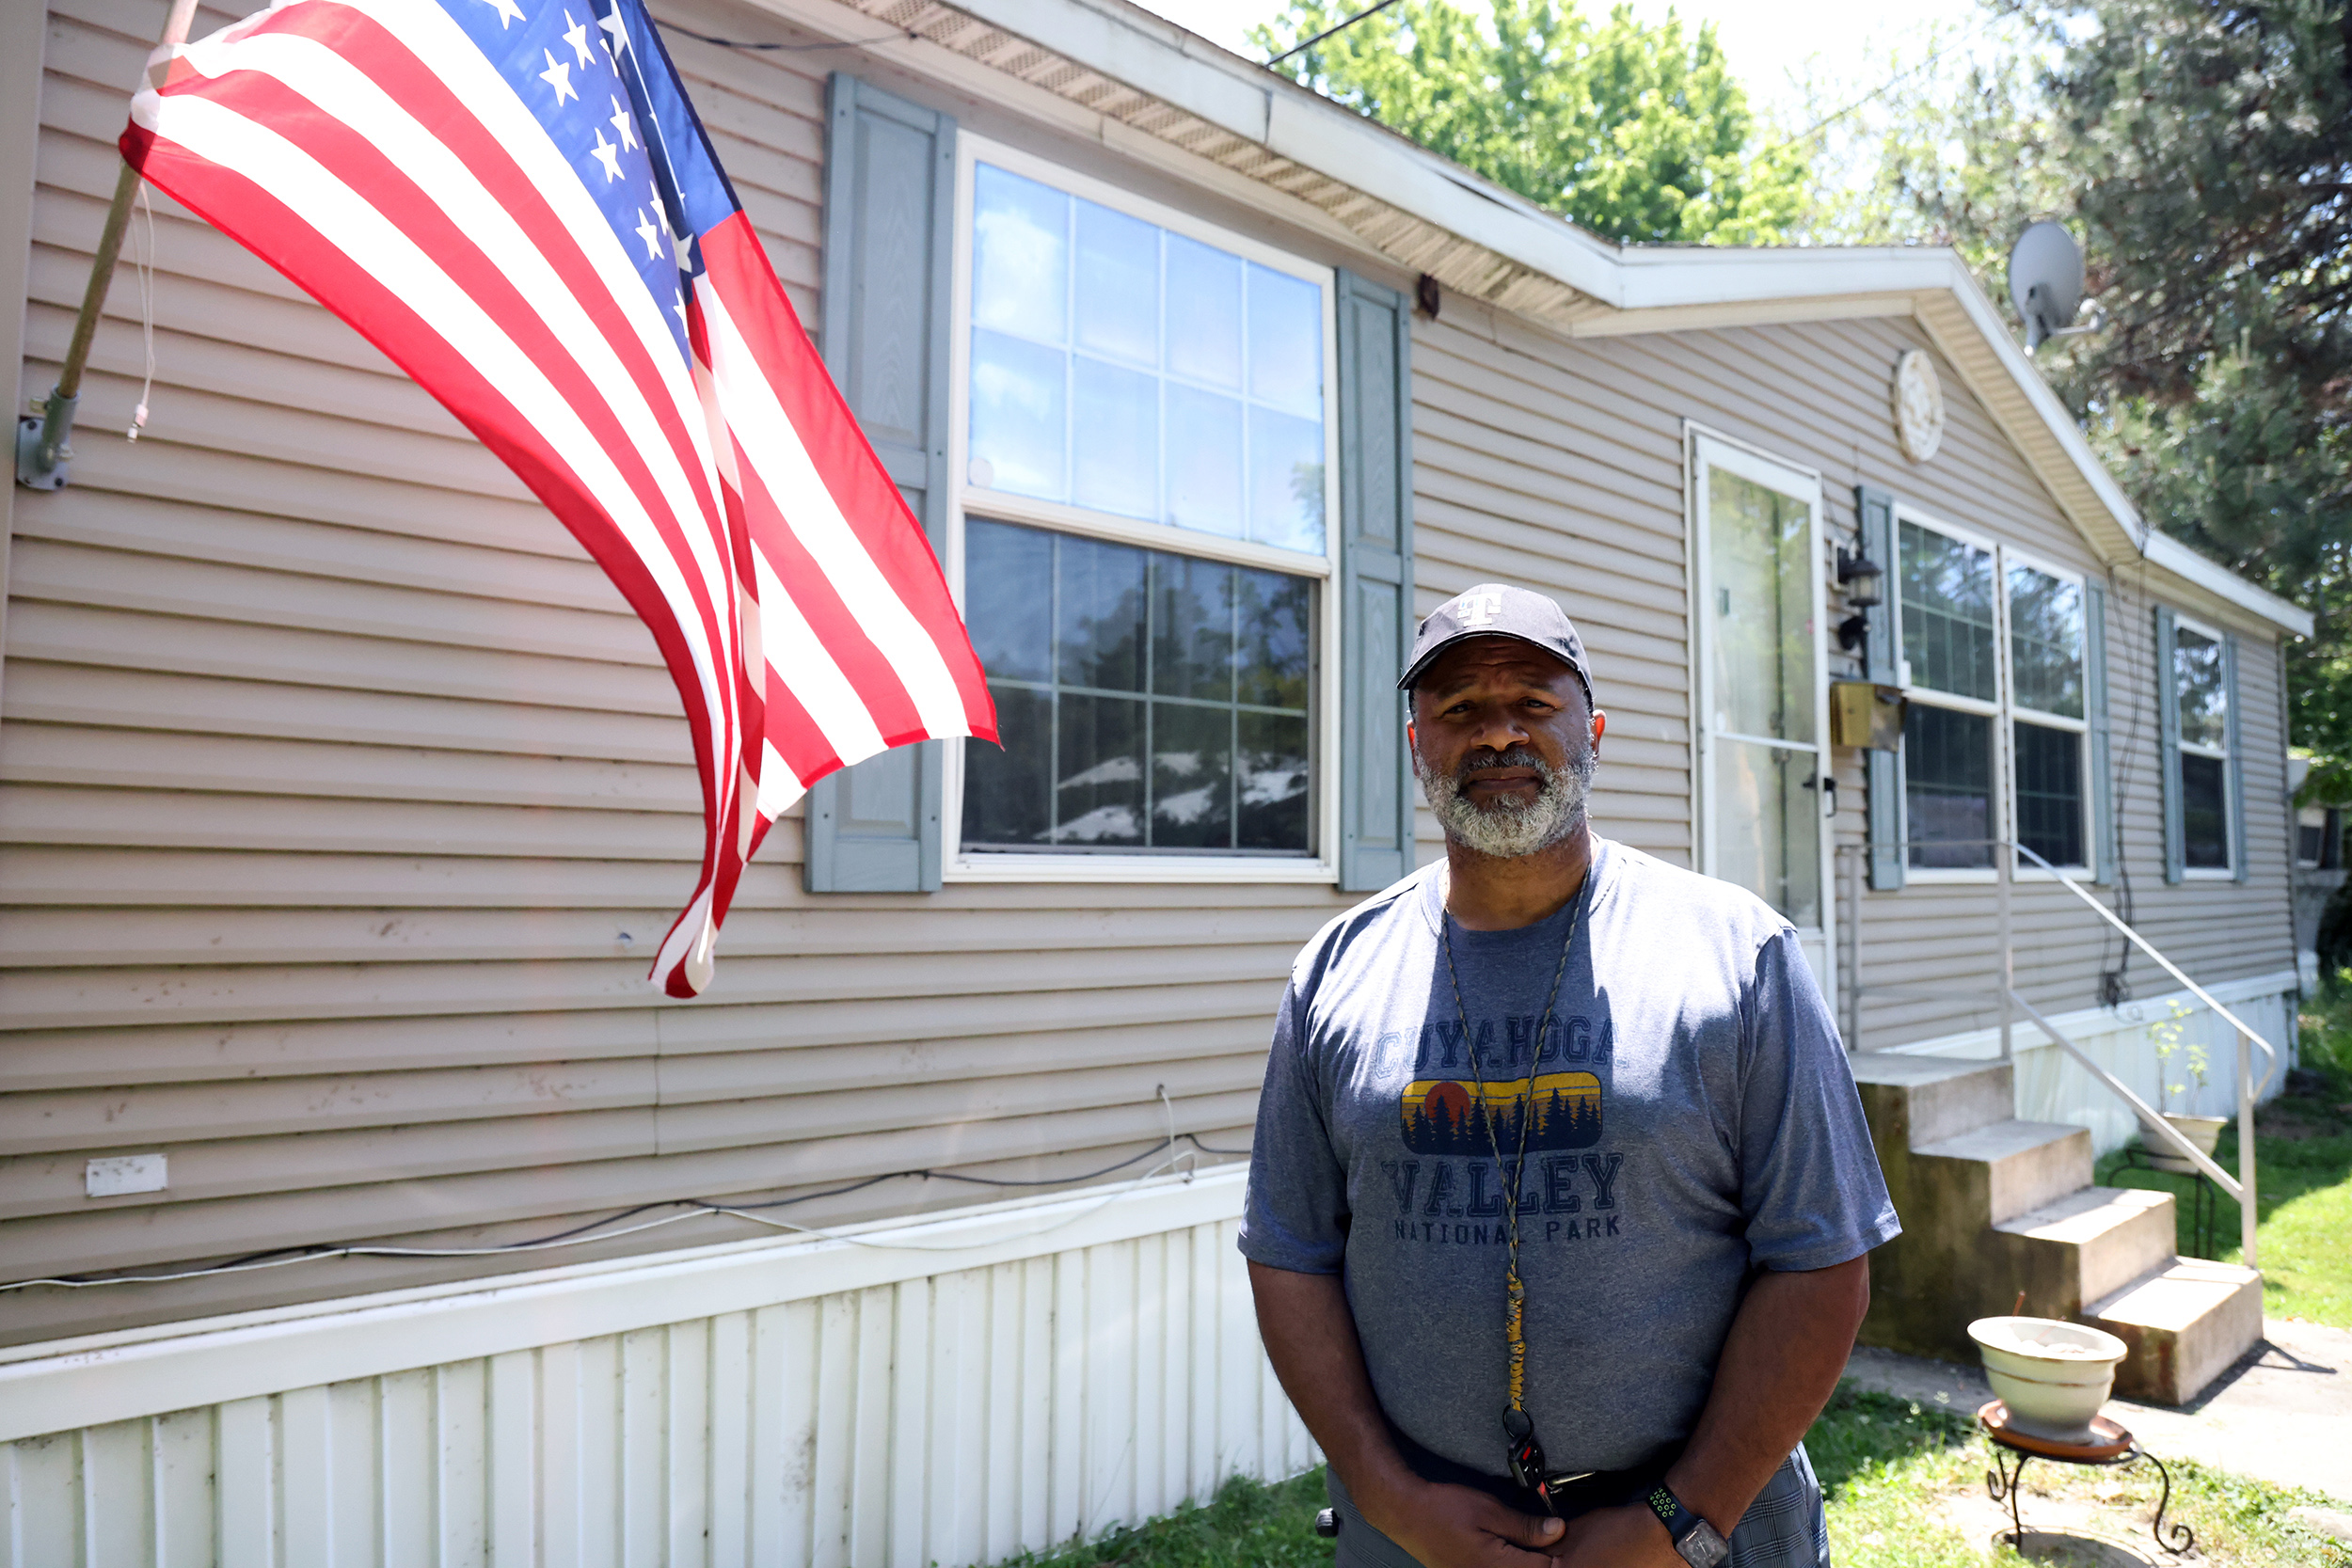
x: 1695, y: 1541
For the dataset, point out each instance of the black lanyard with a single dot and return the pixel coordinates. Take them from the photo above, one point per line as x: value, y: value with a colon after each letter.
x: 1522, y: 1451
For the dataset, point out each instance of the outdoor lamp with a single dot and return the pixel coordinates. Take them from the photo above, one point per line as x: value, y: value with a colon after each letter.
x: 1864, y: 583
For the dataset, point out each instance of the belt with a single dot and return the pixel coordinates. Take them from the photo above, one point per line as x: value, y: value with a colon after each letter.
x: 1572, y: 1491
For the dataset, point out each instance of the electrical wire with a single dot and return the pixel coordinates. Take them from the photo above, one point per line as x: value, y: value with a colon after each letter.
x: 595, y: 1230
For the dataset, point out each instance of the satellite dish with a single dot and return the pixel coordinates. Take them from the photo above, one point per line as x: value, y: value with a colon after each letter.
x: 2046, y: 279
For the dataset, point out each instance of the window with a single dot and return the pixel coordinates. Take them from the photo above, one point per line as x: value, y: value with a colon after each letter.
x: 1992, y: 657
x: 1144, y: 536
x: 1147, y: 700
x: 2199, y: 685
x: 2048, y: 731
x: 1952, y: 659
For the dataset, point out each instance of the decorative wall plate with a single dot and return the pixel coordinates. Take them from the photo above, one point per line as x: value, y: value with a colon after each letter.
x: 1919, y: 406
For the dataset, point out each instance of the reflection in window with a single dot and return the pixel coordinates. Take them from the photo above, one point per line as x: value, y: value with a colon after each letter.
x: 2045, y: 641
x: 2204, y: 812
x: 1758, y: 540
x: 2197, y: 678
x: 1947, y: 786
x: 2050, y: 793
x: 1147, y: 701
x: 1119, y: 367
x: 1947, y: 615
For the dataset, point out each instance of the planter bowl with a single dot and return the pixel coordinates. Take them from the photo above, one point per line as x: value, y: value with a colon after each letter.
x: 2054, y: 1376
x: 2203, y: 1131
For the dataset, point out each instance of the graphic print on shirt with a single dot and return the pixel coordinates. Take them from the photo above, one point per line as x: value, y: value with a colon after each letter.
x: 1447, y: 1115
x: 1448, y: 1189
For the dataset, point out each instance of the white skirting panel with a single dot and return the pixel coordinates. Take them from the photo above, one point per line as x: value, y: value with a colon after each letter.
x: 950, y: 1416
x: 2053, y: 1086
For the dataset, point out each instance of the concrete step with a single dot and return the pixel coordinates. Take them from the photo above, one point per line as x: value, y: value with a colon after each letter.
x: 2087, y: 1244
x: 1997, y: 1172
x: 1933, y: 1098
x: 2185, y: 1323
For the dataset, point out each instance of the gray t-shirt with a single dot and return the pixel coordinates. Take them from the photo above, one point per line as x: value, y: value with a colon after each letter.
x: 1694, y: 1120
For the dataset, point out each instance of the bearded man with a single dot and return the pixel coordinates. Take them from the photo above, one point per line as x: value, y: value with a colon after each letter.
x: 1561, y: 1198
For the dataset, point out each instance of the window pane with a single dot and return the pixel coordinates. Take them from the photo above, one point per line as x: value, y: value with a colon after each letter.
x: 1192, y: 628
x: 1770, y: 824
x: 1272, y: 782
x: 2204, y: 812
x: 1020, y: 256
x: 1002, y: 569
x: 1118, y: 286
x: 1286, y: 481
x: 1064, y: 625
x: 1947, y: 613
x: 1017, y: 415
x: 1204, y: 313
x: 2050, y: 793
x: 1099, y: 615
x: 2196, y: 676
x: 1273, y: 660
x: 1203, y: 461
x: 1760, y: 563
x: 1008, y: 792
x: 1285, y: 342
x: 1115, y: 439
x: 1192, y: 776
x: 1128, y: 370
x: 1099, y: 799
x: 2045, y: 642
x: 1947, y: 785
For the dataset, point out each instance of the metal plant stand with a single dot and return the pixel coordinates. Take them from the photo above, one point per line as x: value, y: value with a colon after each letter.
x: 2111, y: 1448
x: 2204, y: 1198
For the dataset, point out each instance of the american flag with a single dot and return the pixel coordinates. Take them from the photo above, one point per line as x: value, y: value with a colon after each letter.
x: 514, y: 201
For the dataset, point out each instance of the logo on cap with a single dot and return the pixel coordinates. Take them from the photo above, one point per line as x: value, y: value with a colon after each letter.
x: 1479, y: 609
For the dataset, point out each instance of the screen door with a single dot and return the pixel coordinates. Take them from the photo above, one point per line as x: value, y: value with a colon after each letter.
x: 1762, y: 703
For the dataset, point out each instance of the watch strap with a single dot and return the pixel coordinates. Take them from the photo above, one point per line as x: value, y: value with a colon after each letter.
x: 1695, y: 1541
x: 1678, y: 1520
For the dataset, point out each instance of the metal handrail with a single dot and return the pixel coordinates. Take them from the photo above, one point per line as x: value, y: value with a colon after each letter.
x: 2242, y: 1187
x: 2165, y: 964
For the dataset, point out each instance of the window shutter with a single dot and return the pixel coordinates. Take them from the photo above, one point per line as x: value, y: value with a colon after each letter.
x: 2169, y: 749
x: 1874, y: 511
x: 883, y: 316
x: 2104, y: 848
x: 2240, y: 870
x: 1376, y: 598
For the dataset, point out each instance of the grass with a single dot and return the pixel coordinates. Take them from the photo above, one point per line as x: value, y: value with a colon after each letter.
x: 1888, y: 1467
x: 2303, y: 1175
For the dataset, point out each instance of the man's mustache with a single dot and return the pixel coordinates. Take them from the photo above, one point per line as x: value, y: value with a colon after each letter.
x: 1517, y: 756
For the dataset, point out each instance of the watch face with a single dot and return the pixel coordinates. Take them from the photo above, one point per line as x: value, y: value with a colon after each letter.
x: 1701, y: 1548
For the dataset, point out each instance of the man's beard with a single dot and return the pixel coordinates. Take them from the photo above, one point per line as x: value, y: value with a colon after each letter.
x: 1508, y: 827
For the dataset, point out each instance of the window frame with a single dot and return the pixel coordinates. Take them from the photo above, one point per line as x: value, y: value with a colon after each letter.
x: 2004, y: 711
x: 1320, y: 866
x: 2005, y: 557
x: 2183, y: 746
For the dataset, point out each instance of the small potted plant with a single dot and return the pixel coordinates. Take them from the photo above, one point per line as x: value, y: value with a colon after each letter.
x: 2169, y: 1037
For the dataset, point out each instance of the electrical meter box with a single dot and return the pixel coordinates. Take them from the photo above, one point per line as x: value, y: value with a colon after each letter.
x: 1866, y: 714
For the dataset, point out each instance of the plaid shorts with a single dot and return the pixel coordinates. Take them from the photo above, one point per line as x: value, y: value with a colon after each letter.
x: 1783, y: 1528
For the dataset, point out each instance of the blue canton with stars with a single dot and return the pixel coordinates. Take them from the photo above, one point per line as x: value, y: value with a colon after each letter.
x: 594, y: 74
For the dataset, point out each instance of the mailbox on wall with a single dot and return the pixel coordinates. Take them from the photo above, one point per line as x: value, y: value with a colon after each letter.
x: 1866, y: 714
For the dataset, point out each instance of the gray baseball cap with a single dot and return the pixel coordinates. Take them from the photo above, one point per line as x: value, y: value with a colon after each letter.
x: 1497, y: 610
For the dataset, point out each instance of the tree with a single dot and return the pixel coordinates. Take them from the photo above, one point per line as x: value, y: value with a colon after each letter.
x: 1636, y: 133
x: 2202, y: 152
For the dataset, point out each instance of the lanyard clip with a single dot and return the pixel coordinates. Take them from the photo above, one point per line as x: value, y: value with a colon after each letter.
x: 1525, y: 1456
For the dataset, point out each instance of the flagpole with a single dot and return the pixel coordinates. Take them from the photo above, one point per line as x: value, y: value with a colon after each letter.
x: 44, y: 450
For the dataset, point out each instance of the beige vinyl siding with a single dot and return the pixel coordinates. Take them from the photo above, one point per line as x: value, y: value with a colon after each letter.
x: 1558, y: 464
x: 343, y: 802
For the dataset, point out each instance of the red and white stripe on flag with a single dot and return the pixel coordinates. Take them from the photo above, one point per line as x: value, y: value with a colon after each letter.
x: 581, y: 290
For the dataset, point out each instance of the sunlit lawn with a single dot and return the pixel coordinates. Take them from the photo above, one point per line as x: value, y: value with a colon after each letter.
x: 2302, y: 1185
x: 1886, y: 1465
